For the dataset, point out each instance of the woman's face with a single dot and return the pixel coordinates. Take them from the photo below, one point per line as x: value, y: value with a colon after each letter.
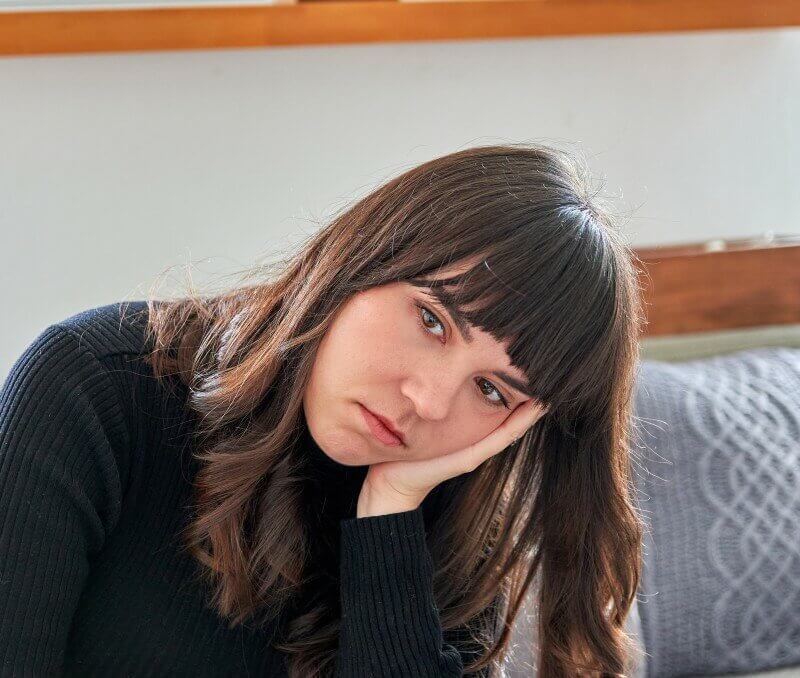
x: 411, y: 366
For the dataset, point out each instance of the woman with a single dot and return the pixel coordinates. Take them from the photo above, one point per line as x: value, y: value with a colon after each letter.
x: 356, y: 466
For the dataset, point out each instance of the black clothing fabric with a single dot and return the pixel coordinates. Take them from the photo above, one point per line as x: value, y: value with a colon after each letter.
x: 95, y: 479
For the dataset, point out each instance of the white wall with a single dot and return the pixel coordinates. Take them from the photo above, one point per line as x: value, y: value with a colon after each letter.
x: 114, y: 167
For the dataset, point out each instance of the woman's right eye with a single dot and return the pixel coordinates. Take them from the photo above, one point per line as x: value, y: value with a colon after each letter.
x: 421, y: 317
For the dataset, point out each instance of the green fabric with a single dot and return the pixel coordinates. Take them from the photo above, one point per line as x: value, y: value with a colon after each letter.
x: 702, y: 344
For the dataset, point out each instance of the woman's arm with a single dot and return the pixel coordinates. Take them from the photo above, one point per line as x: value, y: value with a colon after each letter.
x: 59, y: 495
x: 390, y: 625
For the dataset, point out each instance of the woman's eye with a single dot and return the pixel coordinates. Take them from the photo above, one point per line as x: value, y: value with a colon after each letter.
x: 502, y: 402
x: 432, y: 315
x: 497, y: 403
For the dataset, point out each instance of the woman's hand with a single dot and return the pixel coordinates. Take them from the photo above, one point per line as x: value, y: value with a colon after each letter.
x: 396, y: 486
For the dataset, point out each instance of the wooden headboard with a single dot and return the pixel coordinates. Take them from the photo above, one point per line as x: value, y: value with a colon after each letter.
x: 720, y: 285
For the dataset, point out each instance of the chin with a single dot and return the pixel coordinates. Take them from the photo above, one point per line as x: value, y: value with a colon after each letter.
x: 341, y: 450
x: 347, y: 458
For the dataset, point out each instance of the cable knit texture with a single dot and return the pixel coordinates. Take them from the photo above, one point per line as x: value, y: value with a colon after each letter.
x: 95, y: 484
x: 721, y: 488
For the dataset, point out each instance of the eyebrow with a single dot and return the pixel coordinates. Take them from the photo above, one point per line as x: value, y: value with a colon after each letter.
x: 516, y: 383
x: 464, y: 330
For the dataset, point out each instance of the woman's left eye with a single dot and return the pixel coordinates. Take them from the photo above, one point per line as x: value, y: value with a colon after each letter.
x: 420, y: 316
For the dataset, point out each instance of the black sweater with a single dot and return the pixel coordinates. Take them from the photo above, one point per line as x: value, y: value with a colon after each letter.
x: 95, y: 479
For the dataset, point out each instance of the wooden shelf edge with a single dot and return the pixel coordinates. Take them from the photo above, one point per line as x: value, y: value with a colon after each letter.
x: 82, y: 30
x: 696, y: 291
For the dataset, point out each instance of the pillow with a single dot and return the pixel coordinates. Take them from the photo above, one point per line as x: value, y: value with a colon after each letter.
x: 718, y: 479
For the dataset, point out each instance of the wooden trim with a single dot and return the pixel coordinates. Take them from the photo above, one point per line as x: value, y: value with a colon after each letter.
x: 689, y: 290
x: 80, y: 30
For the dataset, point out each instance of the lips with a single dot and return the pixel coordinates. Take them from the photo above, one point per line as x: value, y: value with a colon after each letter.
x: 381, y: 428
x: 388, y: 425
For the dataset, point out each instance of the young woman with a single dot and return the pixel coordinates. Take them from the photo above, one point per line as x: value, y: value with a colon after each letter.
x: 355, y: 466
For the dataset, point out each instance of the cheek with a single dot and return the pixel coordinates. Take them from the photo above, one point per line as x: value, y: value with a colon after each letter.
x: 459, y: 432
x: 382, y: 342
x: 366, y: 343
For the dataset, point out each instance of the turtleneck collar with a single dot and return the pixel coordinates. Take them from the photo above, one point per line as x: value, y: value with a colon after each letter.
x: 337, y: 485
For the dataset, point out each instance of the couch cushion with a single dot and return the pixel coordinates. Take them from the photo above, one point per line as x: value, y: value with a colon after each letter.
x: 719, y: 483
x: 792, y: 672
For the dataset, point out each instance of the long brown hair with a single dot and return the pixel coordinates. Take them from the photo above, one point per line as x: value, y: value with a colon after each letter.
x: 551, y: 273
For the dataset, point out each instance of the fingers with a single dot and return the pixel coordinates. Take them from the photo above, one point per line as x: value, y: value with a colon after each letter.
x: 523, y: 417
x: 434, y: 471
x: 511, y: 430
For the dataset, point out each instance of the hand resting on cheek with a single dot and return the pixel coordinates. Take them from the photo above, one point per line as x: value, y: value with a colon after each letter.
x: 396, y: 486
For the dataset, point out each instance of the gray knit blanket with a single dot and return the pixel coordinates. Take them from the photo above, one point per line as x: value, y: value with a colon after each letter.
x: 719, y: 482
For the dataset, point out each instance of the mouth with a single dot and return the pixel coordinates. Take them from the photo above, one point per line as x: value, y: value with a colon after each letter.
x: 380, y: 428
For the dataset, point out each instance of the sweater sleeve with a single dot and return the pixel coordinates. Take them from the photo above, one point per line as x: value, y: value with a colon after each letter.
x: 390, y: 625
x: 59, y: 495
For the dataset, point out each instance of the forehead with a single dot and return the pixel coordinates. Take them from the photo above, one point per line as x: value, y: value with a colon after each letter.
x: 458, y: 268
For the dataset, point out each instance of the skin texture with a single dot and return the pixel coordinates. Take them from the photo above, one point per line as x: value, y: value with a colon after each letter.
x: 413, y: 367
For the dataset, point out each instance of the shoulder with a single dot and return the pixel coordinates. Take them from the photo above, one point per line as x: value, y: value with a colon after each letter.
x: 63, y: 373
x: 61, y: 422
x: 111, y: 329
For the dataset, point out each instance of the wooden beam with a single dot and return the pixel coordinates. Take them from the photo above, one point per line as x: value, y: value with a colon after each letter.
x: 688, y: 289
x: 81, y: 29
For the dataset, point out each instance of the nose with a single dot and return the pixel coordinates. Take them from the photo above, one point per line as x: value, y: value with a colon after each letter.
x: 432, y: 395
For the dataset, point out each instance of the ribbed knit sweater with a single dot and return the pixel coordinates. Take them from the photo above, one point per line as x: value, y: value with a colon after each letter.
x: 95, y: 480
